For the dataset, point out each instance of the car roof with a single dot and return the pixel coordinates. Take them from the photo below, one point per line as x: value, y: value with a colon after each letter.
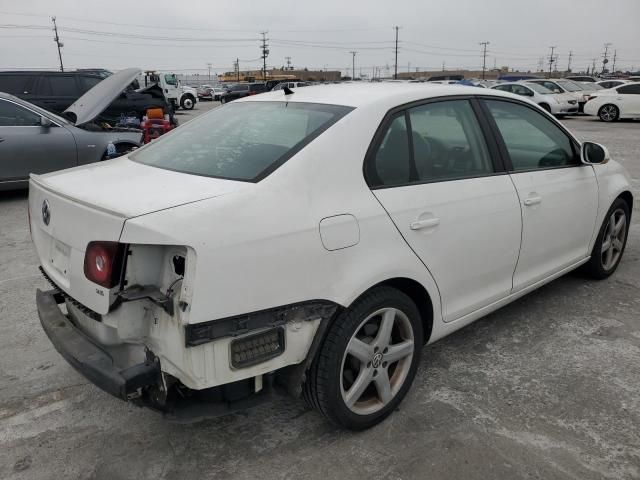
x: 363, y: 94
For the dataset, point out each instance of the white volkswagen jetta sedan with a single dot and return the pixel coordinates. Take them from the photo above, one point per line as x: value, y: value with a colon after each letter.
x: 313, y: 242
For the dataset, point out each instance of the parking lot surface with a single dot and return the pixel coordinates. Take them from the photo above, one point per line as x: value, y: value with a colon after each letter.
x: 547, y: 387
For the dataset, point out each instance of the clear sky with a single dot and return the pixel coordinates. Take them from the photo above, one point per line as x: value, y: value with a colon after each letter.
x: 187, y: 35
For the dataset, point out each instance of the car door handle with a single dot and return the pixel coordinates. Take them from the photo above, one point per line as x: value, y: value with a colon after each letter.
x: 429, y: 222
x: 532, y: 201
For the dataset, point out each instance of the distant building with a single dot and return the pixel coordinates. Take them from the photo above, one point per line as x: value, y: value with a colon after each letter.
x: 492, y: 74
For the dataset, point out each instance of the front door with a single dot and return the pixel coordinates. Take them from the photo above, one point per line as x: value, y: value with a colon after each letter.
x: 27, y: 147
x: 629, y: 99
x: 558, y: 194
x: 434, y: 174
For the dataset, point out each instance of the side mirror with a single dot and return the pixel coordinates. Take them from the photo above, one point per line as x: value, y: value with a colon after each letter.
x: 594, y: 154
x: 45, y: 122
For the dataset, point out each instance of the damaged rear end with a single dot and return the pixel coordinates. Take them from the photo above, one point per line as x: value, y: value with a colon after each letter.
x: 119, y: 310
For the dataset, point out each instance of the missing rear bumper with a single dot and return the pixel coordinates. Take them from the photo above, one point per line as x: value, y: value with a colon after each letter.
x: 93, y: 362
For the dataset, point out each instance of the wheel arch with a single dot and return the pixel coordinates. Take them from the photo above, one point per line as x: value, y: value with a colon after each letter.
x: 418, y: 294
x: 627, y: 196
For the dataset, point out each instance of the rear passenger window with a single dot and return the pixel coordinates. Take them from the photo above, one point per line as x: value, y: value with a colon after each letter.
x: 62, y: 85
x: 391, y: 165
x: 448, y: 142
x: 532, y: 140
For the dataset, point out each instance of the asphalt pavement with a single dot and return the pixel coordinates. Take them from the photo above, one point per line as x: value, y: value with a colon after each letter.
x: 547, y: 387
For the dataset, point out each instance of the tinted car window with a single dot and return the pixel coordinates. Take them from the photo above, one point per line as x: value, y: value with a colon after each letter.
x: 532, y: 140
x: 15, y: 84
x: 87, y: 83
x: 629, y: 89
x: 504, y: 88
x: 62, y: 85
x: 448, y: 142
x: 239, y: 88
x: 391, y: 164
x: 241, y: 141
x: 520, y: 90
x: 12, y: 115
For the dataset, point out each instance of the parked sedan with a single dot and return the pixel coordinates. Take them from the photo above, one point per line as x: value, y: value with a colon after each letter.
x: 606, y: 84
x: 558, y: 104
x: 34, y: 140
x: 555, y: 87
x: 315, y: 241
x: 615, y: 103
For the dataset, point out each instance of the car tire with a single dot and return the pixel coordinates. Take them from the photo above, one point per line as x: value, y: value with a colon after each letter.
x: 223, y: 100
x: 187, y: 102
x: 384, y: 369
x: 608, y: 113
x: 611, y: 241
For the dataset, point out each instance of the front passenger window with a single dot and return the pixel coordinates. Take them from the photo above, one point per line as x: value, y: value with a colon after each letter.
x: 11, y: 115
x: 532, y: 140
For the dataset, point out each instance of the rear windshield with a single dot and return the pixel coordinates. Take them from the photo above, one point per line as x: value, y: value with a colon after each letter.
x: 241, y: 141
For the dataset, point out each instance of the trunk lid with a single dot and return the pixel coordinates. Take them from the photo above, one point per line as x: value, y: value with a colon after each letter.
x: 71, y: 208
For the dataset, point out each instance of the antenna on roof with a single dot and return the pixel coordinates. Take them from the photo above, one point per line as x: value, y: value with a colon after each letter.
x: 287, y: 91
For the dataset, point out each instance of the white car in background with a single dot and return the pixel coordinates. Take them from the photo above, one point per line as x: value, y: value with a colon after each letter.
x: 615, y: 103
x: 555, y: 87
x: 558, y: 104
x: 606, y: 84
x: 315, y: 241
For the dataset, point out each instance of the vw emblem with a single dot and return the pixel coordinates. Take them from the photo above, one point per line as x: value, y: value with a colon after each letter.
x: 46, y: 212
x: 376, y: 360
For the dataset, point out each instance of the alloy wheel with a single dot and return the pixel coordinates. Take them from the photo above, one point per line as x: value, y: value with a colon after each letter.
x: 608, y: 113
x: 377, y: 361
x: 613, y: 239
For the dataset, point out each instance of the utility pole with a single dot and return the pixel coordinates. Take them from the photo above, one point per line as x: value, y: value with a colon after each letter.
x: 593, y: 67
x: 613, y: 67
x: 551, y: 60
x: 353, y: 65
x: 443, y: 65
x: 58, y: 42
x: 395, y: 70
x: 569, y: 63
x: 484, y: 57
x: 605, y: 60
x: 237, y: 69
x: 265, y: 53
x: 209, y: 67
x: 288, y: 59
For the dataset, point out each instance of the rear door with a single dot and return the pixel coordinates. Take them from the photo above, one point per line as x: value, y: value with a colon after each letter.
x: 433, y: 171
x: 27, y: 147
x: 558, y: 194
x: 629, y: 99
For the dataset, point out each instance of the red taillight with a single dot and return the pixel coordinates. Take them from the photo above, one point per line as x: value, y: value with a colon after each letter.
x: 103, y: 263
x: 252, y: 93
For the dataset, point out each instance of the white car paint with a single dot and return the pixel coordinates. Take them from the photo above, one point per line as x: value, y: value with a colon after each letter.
x: 312, y: 229
x: 557, y: 103
x: 628, y: 103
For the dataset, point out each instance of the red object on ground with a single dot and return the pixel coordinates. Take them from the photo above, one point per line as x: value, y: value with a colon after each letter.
x: 153, y: 128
